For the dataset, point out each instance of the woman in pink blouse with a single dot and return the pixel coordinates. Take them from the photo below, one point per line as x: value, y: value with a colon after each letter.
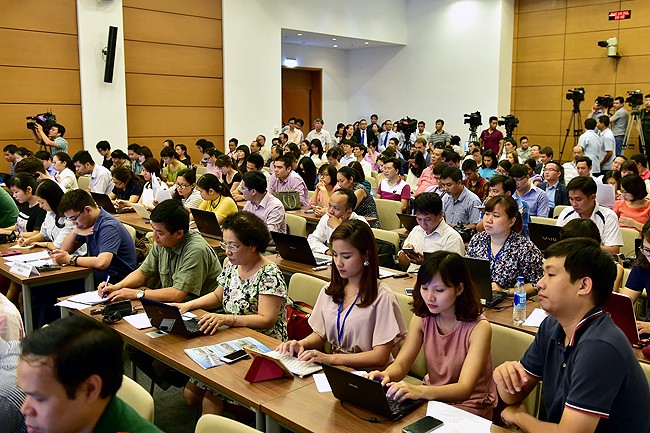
x: 356, y: 314
x: 455, y: 336
x: 634, y: 210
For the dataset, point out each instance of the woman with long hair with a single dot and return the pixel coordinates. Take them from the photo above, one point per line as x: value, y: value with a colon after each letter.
x: 64, y: 176
x: 326, y: 185
x: 366, y: 206
x: 128, y: 186
x: 307, y: 171
x: 228, y: 174
x: 181, y: 151
x: 241, y: 156
x: 317, y: 153
x: 216, y: 197
x: 488, y: 168
x: 634, y: 210
x: 186, y: 191
x: 30, y: 216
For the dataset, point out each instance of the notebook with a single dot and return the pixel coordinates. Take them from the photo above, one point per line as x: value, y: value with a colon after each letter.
x: 366, y: 394
x: 543, y: 235
x: 141, y: 211
x: 479, y: 273
x: 104, y: 201
x: 408, y: 221
x: 296, y: 249
x: 207, y: 223
x: 620, y: 308
x: 168, y: 318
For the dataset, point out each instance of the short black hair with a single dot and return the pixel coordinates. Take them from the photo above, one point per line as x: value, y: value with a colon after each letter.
x: 590, y: 123
x: 134, y: 147
x: 604, y: 119
x: 639, y: 158
x: 257, y: 160
x: 518, y: 170
x: 546, y: 150
x: 43, y: 155
x: 580, y: 228
x: 583, y: 257
x: 583, y: 183
x: 103, y: 145
x: 249, y: 229
x: 11, y: 148
x: 59, y: 128
x: 509, y: 184
x: 77, y: 200
x: 30, y: 164
x: 286, y: 160
x: 452, y: 173
x: 334, y: 152
x: 171, y: 214
x: 255, y: 180
x: 83, y: 157
x: 79, y: 348
x: 22, y: 181
x: 584, y: 159
x: 168, y: 152
x: 428, y: 203
x: 351, y: 201
x: 470, y: 165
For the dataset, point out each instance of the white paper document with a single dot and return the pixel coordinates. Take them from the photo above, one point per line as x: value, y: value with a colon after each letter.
x: 41, y: 255
x: 81, y: 301
x: 324, y: 386
x: 139, y: 321
x: 536, y: 318
x: 457, y: 420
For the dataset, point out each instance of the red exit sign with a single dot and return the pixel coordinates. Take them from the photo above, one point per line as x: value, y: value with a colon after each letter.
x: 620, y: 15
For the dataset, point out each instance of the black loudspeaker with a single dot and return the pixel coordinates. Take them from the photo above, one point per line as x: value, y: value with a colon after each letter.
x: 109, y: 51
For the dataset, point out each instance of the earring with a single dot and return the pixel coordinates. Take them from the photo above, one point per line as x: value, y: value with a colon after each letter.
x: 366, y: 263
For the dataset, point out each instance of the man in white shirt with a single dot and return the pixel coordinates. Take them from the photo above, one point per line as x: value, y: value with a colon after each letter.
x: 359, y: 151
x: 264, y: 151
x: 582, y: 194
x: 341, y: 206
x: 570, y: 167
x: 420, y: 133
x: 348, y: 155
x: 295, y: 135
x: 609, y: 143
x: 431, y: 234
x: 320, y: 133
x: 261, y: 203
x: 592, y: 144
x: 101, y: 180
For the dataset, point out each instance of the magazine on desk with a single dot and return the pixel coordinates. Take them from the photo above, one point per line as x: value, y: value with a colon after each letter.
x: 209, y: 356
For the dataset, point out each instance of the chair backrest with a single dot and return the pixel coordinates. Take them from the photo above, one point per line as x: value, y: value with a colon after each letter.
x: 137, y: 397
x: 214, y: 423
x: 510, y: 345
x: 629, y: 235
x: 200, y: 171
x: 387, y: 211
x: 83, y: 182
x: 558, y: 209
x: 387, y: 236
x: 419, y: 367
x: 131, y: 231
x: 372, y: 181
x: 305, y: 288
x: 543, y: 220
x: 646, y: 370
x: 296, y: 225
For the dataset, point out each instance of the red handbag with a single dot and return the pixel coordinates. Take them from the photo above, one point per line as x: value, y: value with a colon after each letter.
x: 298, y: 319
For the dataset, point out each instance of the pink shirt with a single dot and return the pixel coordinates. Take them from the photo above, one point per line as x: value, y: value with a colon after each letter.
x: 445, y: 355
x: 426, y: 180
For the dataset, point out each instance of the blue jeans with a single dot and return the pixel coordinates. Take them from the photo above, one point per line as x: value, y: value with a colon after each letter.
x: 619, y: 144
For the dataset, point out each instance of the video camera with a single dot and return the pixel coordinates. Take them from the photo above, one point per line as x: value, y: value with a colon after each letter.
x: 605, y: 101
x: 510, y: 122
x: 46, y: 120
x: 635, y: 99
x: 407, y: 125
x: 576, y: 95
x: 473, y: 120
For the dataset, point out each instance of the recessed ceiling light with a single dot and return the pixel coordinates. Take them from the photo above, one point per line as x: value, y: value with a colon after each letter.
x: 299, y: 34
x: 333, y: 39
x: 336, y: 46
x: 367, y: 43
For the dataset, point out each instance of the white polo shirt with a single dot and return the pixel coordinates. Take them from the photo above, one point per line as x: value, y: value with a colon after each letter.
x: 605, y: 219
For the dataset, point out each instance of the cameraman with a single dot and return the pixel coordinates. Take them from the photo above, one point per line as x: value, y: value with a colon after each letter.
x: 53, y: 139
x: 618, y: 123
x: 644, y: 118
x: 597, y: 110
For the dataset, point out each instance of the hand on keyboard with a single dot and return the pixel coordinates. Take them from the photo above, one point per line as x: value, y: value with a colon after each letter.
x: 401, y: 391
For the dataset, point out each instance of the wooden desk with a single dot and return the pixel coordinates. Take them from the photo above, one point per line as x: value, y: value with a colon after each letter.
x: 66, y: 273
x: 228, y: 379
x: 313, y: 219
x: 139, y: 223
x: 308, y: 411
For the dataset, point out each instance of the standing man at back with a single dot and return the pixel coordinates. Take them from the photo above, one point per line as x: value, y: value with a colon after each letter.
x: 320, y: 133
x: 53, y: 140
x: 608, y: 143
x: 618, y: 122
x: 492, y: 138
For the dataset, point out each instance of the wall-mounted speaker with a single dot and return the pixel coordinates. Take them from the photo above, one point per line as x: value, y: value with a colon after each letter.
x: 109, y: 52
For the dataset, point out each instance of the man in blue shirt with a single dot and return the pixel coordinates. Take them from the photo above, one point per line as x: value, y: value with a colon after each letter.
x: 111, y: 250
x: 535, y: 197
x: 592, y: 379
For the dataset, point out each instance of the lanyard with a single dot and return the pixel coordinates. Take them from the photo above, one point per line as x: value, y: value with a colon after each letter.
x: 489, y: 251
x: 340, y: 328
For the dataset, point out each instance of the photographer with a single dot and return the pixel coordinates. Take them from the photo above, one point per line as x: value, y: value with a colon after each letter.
x: 598, y: 109
x: 619, y: 122
x: 53, y: 139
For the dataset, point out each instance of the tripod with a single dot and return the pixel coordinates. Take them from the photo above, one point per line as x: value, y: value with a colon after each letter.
x: 472, y: 134
x: 634, y: 123
x: 575, y: 123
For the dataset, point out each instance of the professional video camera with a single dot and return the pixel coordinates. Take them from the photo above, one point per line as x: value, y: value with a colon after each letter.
x: 46, y: 120
x: 407, y: 125
x: 473, y: 120
x: 510, y: 122
x: 605, y: 101
x: 576, y: 95
x: 635, y: 99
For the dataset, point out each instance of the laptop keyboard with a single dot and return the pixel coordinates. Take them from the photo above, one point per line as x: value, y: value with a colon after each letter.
x: 322, y: 259
x: 192, y: 326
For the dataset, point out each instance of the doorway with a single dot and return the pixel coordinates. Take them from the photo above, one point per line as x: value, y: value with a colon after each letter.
x: 302, y: 95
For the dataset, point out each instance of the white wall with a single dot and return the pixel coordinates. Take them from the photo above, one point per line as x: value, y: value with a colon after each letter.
x: 335, y: 79
x: 103, y: 105
x: 451, y: 65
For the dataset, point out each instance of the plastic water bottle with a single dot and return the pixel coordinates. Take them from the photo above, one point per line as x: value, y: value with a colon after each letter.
x: 519, y: 303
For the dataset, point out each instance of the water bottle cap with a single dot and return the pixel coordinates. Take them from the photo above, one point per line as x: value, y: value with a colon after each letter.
x: 520, y: 279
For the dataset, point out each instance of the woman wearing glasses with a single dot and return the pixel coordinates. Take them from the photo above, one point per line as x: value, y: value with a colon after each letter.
x: 251, y: 290
x: 186, y: 191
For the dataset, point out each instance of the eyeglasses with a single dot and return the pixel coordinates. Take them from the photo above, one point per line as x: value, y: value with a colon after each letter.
x: 74, y: 218
x: 645, y: 250
x: 551, y: 169
x: 181, y: 185
x: 228, y: 247
x: 520, y: 179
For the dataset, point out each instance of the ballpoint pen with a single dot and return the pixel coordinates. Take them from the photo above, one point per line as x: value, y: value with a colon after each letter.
x: 108, y: 278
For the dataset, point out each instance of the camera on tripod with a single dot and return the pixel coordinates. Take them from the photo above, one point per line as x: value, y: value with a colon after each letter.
x: 510, y: 122
x: 407, y: 125
x: 46, y: 120
x: 605, y: 101
x: 576, y: 95
x: 635, y: 99
x: 473, y: 120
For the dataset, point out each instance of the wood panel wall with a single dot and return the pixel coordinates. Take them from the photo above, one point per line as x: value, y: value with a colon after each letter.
x: 555, y: 49
x: 39, y: 70
x: 174, y: 72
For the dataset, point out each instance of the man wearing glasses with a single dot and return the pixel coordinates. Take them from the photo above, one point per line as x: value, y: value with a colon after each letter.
x: 111, y: 251
x: 535, y: 197
x: 556, y: 192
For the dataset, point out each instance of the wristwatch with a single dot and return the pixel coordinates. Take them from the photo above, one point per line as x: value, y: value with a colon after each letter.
x: 140, y: 294
x: 73, y: 259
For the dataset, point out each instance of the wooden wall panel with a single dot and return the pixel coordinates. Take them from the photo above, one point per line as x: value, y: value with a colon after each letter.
x: 539, y: 73
x: 640, y: 16
x: 14, y: 124
x: 26, y: 49
x: 540, y: 5
x: 168, y: 28
x: 154, y: 121
x: 201, y: 8
x: 585, y: 45
x: 634, y: 42
x: 54, y: 16
x: 173, y: 90
x: 547, y: 22
x: 574, y: 3
x: 539, y: 48
x: 631, y: 69
x: 591, y: 18
x: 150, y: 58
x: 590, y: 71
x: 29, y: 84
x: 538, y: 97
x: 538, y: 122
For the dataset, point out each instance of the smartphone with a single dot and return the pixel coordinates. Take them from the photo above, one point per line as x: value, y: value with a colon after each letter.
x: 410, y: 252
x: 235, y: 356
x: 424, y: 425
x: 408, y: 291
x: 10, y: 253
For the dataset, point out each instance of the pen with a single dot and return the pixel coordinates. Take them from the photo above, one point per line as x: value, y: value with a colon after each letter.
x: 108, y: 278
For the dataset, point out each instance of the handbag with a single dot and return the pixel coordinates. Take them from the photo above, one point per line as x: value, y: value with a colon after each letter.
x: 290, y: 199
x: 298, y: 319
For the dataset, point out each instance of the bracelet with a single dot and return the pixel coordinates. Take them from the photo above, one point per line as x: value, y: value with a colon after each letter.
x: 234, y: 320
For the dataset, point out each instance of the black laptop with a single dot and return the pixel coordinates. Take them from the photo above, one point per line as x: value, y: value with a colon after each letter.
x: 479, y: 273
x: 297, y: 249
x: 168, y: 319
x: 207, y: 223
x: 408, y: 221
x: 104, y: 201
x: 367, y: 394
x: 543, y: 235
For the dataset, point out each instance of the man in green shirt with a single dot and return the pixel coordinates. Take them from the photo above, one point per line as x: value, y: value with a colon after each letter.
x: 70, y: 372
x: 8, y: 209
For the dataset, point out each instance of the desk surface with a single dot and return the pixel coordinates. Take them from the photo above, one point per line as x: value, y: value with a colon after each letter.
x: 65, y: 273
x: 313, y: 219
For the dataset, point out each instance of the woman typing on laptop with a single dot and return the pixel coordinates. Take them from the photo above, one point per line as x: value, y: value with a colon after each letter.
x: 355, y: 313
x: 455, y: 336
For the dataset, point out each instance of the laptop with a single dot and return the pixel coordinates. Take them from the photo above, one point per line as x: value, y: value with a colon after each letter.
x: 620, y: 308
x: 104, y: 201
x: 366, y: 394
x: 168, y: 319
x: 207, y: 223
x: 479, y: 273
x: 141, y: 211
x: 297, y: 249
x: 408, y: 221
x: 543, y: 235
